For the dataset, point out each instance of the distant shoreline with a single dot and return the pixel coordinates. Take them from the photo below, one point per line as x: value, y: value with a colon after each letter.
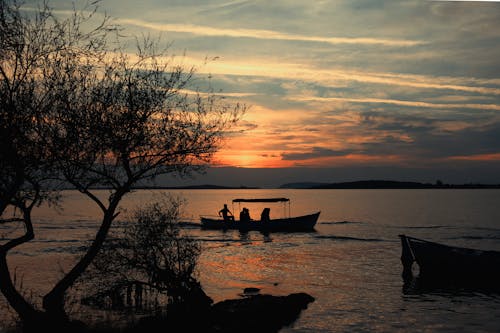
x: 360, y: 185
x: 386, y: 184
x: 196, y: 187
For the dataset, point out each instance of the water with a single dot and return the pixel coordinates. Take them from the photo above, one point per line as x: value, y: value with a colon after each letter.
x: 350, y: 264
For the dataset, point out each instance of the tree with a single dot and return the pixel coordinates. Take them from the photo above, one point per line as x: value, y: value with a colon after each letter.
x: 148, y: 264
x: 94, y: 117
x: 127, y: 125
x: 32, y: 51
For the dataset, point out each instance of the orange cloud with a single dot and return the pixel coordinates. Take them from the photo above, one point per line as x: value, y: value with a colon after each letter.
x: 478, y: 157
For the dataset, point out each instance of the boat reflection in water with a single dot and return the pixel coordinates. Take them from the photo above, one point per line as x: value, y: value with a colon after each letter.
x: 288, y: 223
x: 448, y: 268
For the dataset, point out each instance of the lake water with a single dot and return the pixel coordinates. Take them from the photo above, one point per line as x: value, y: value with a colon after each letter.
x: 351, y: 264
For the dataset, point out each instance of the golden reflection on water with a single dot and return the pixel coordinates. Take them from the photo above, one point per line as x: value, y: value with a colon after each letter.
x: 274, y: 267
x: 352, y: 268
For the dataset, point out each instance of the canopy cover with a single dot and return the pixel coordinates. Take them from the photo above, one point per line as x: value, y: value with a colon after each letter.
x: 262, y: 200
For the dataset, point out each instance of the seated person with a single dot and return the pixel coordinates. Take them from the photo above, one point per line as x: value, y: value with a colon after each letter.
x: 264, y: 216
x: 226, y: 214
x: 245, y: 215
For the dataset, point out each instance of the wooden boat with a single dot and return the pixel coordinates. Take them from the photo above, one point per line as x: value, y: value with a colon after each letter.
x: 447, y: 263
x: 298, y: 223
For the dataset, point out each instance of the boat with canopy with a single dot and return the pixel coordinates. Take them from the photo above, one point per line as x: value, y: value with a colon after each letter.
x: 265, y: 223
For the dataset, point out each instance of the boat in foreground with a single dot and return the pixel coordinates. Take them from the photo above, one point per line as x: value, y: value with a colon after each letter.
x: 298, y: 223
x: 460, y: 265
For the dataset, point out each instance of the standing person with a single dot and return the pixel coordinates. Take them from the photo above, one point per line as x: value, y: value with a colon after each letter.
x: 226, y: 214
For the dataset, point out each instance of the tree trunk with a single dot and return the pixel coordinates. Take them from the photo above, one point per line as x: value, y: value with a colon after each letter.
x: 53, y: 302
x: 25, y: 310
x: 32, y: 320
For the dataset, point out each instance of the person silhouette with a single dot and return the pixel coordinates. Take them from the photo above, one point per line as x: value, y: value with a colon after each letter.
x: 264, y: 216
x: 226, y: 214
x: 245, y: 215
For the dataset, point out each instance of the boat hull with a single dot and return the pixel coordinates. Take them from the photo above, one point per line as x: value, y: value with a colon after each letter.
x: 299, y: 223
x: 447, y: 263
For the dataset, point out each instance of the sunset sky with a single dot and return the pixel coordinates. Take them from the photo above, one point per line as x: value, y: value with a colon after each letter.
x: 346, y: 84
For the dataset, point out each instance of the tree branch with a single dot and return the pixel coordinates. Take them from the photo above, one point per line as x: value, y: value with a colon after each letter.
x: 15, y: 299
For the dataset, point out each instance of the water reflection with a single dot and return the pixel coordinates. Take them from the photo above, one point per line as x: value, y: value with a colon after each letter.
x: 417, y: 285
x: 351, y: 268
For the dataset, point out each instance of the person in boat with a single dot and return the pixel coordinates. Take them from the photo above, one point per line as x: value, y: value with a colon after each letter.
x: 264, y: 216
x: 226, y: 214
x: 245, y: 215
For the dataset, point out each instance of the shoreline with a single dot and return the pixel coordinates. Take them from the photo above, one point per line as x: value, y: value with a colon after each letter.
x: 230, y: 315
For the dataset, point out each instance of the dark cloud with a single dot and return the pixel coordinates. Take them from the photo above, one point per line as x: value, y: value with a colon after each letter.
x: 311, y: 129
x: 427, y: 140
x: 316, y: 152
x: 465, y: 142
x: 247, y: 125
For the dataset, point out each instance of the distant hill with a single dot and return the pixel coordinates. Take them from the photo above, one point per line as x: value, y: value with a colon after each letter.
x: 385, y: 184
x: 302, y: 185
x: 197, y: 187
x: 376, y: 184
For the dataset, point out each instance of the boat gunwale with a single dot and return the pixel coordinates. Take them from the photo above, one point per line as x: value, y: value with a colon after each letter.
x: 450, y: 247
x: 219, y: 219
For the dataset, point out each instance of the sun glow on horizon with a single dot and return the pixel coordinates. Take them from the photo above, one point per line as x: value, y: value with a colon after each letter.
x: 247, y: 159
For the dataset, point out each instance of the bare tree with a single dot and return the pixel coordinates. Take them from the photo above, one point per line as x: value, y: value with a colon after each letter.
x: 33, y: 52
x: 95, y: 118
x: 147, y: 264
x: 129, y: 124
x: 32, y: 48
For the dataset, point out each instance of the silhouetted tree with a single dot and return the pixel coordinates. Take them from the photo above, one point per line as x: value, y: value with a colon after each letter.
x: 128, y: 125
x: 33, y: 49
x: 73, y: 110
x: 148, y: 264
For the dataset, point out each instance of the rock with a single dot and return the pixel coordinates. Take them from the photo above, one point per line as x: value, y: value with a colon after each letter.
x: 259, y: 313
x: 251, y: 291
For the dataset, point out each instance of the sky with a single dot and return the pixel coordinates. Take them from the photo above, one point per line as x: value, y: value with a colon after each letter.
x: 342, y: 90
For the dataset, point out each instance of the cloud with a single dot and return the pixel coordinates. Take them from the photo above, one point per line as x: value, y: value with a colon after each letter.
x: 345, y: 82
x: 221, y: 94
x: 271, y: 68
x: 316, y: 152
x: 416, y: 104
x: 266, y: 34
x: 431, y: 138
x: 478, y: 157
